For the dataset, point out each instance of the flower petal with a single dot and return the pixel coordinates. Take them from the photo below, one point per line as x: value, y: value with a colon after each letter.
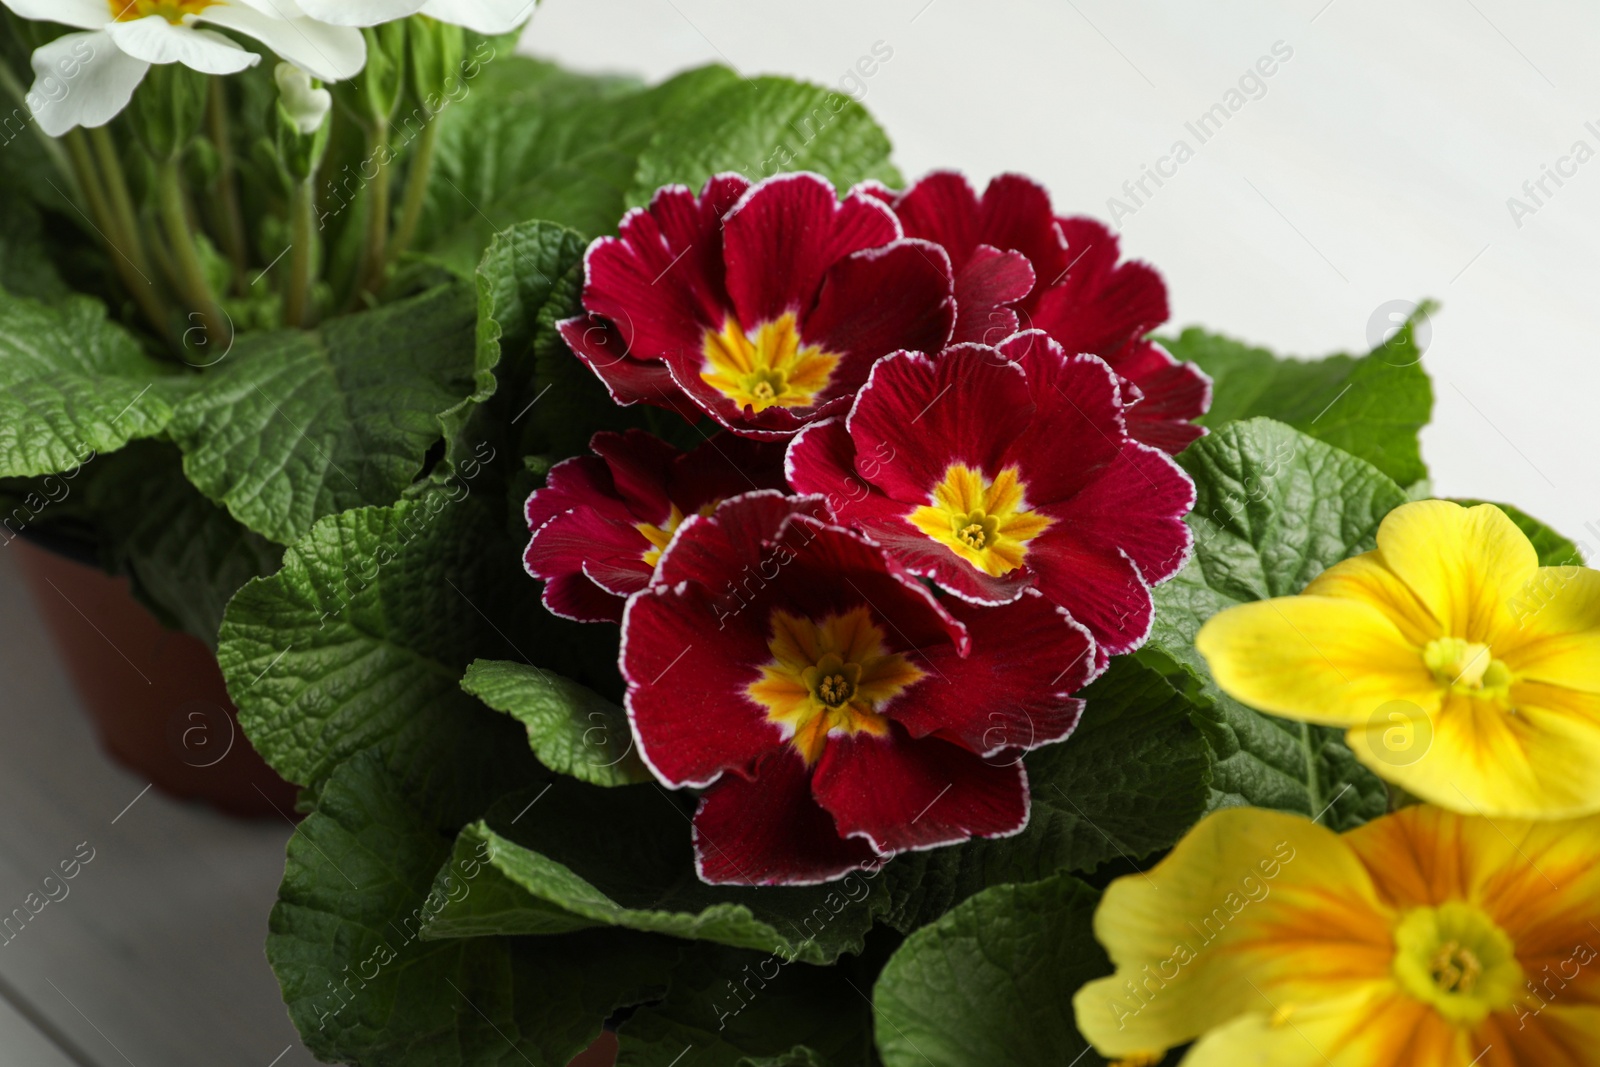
x: 767, y: 830
x: 79, y: 14
x: 102, y: 82
x: 488, y: 17
x: 1465, y: 564
x: 1315, y: 658
x: 155, y: 40
x: 1376, y: 1024
x: 574, y: 596
x: 1557, y: 638
x: 1078, y: 407
x: 358, y: 12
x: 1097, y: 305
x: 901, y: 793
x: 1250, y: 903
x: 1364, y: 578
x: 1099, y: 585
x: 630, y: 381
x: 990, y: 279
x: 332, y: 53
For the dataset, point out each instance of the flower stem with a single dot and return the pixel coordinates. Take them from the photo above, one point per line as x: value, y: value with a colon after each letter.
x: 376, y: 264
x: 120, y: 233
x: 302, y: 255
x: 416, y: 191
x: 191, y: 277
x: 232, y: 218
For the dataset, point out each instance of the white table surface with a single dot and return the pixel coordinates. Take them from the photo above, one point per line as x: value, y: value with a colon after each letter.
x: 1375, y: 167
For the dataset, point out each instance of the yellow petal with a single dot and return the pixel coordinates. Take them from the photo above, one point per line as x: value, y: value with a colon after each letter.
x: 1365, y: 578
x: 1541, y: 762
x: 1465, y: 564
x: 1562, y: 1034
x: 1317, y: 658
x: 1557, y: 633
x: 1370, y: 1026
x: 1250, y: 902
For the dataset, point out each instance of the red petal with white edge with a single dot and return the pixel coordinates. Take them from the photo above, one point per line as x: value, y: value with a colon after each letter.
x: 1173, y: 394
x: 990, y: 280
x: 686, y: 687
x: 901, y: 793
x: 1101, y: 587
x: 785, y: 233
x: 575, y: 597
x: 922, y: 413
x: 1016, y: 214
x: 899, y: 296
x: 609, y: 550
x: 942, y: 207
x: 1098, y: 305
x: 1137, y: 504
x: 647, y: 281
x: 629, y: 380
x: 575, y: 481
x: 1013, y: 691
x: 640, y: 464
x: 724, y: 466
x: 695, y: 224
x: 733, y: 540
x: 1078, y: 427
x: 769, y: 830
x: 821, y: 461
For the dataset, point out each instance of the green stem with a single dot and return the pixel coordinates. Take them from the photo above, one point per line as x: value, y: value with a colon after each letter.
x: 416, y: 191
x: 232, y: 221
x: 302, y: 255
x: 191, y: 276
x: 376, y: 264
x: 117, y: 196
x: 119, y: 233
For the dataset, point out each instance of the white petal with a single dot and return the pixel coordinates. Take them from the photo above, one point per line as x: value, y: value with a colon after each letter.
x: 481, y: 16
x: 84, y: 14
x: 332, y: 53
x: 155, y: 40
x: 82, y: 79
x: 359, y: 12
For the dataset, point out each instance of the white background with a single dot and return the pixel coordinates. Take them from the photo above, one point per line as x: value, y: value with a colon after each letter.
x: 1376, y: 167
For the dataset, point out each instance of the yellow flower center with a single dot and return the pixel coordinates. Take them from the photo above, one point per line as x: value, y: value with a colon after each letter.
x: 987, y: 523
x: 1467, y: 667
x: 829, y: 677
x: 772, y: 368
x: 659, y: 536
x: 173, y: 11
x: 1457, y: 959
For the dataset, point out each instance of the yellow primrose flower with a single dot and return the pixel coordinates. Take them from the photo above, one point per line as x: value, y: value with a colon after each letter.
x: 1463, y: 671
x: 1422, y: 939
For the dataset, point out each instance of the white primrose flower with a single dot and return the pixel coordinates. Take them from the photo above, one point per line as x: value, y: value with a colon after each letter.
x: 85, y: 79
x: 480, y: 16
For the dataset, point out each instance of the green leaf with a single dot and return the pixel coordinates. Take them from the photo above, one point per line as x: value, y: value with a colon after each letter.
x: 573, y: 857
x: 363, y: 988
x: 739, y: 1009
x: 72, y: 385
x: 1371, y: 406
x: 185, y: 556
x: 26, y: 268
x: 296, y: 425
x: 530, y: 141
x: 362, y: 637
x: 573, y: 729
x: 1129, y: 782
x: 760, y: 127
x: 992, y: 981
x: 1555, y: 550
x: 1274, y: 508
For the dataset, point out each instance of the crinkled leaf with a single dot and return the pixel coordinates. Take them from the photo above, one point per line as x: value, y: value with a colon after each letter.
x: 1555, y: 550
x: 1274, y: 508
x: 573, y: 729
x: 530, y: 141
x: 992, y: 981
x: 73, y: 384
x: 1129, y: 782
x: 1372, y: 406
x: 574, y: 856
x: 760, y: 127
x: 363, y: 988
x: 296, y: 425
x: 742, y: 1009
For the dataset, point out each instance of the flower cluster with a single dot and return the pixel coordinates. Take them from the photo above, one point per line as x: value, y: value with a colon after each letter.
x: 930, y: 519
x: 119, y: 40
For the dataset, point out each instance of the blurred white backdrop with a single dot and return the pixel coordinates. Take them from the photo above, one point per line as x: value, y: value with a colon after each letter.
x: 1373, y: 165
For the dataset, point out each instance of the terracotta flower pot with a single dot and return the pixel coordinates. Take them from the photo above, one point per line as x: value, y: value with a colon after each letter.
x: 156, y: 695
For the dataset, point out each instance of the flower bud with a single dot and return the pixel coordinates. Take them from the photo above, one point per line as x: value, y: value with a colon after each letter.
x: 300, y: 104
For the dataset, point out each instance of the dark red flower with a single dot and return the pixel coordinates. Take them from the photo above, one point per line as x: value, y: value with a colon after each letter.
x: 763, y: 306
x: 1074, y: 290
x: 601, y: 521
x: 996, y: 470
x: 834, y: 709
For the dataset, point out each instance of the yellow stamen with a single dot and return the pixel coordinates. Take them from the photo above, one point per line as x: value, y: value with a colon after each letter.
x: 1466, y: 667
x: 770, y: 368
x: 988, y: 524
x: 1458, y: 959
x: 174, y: 11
